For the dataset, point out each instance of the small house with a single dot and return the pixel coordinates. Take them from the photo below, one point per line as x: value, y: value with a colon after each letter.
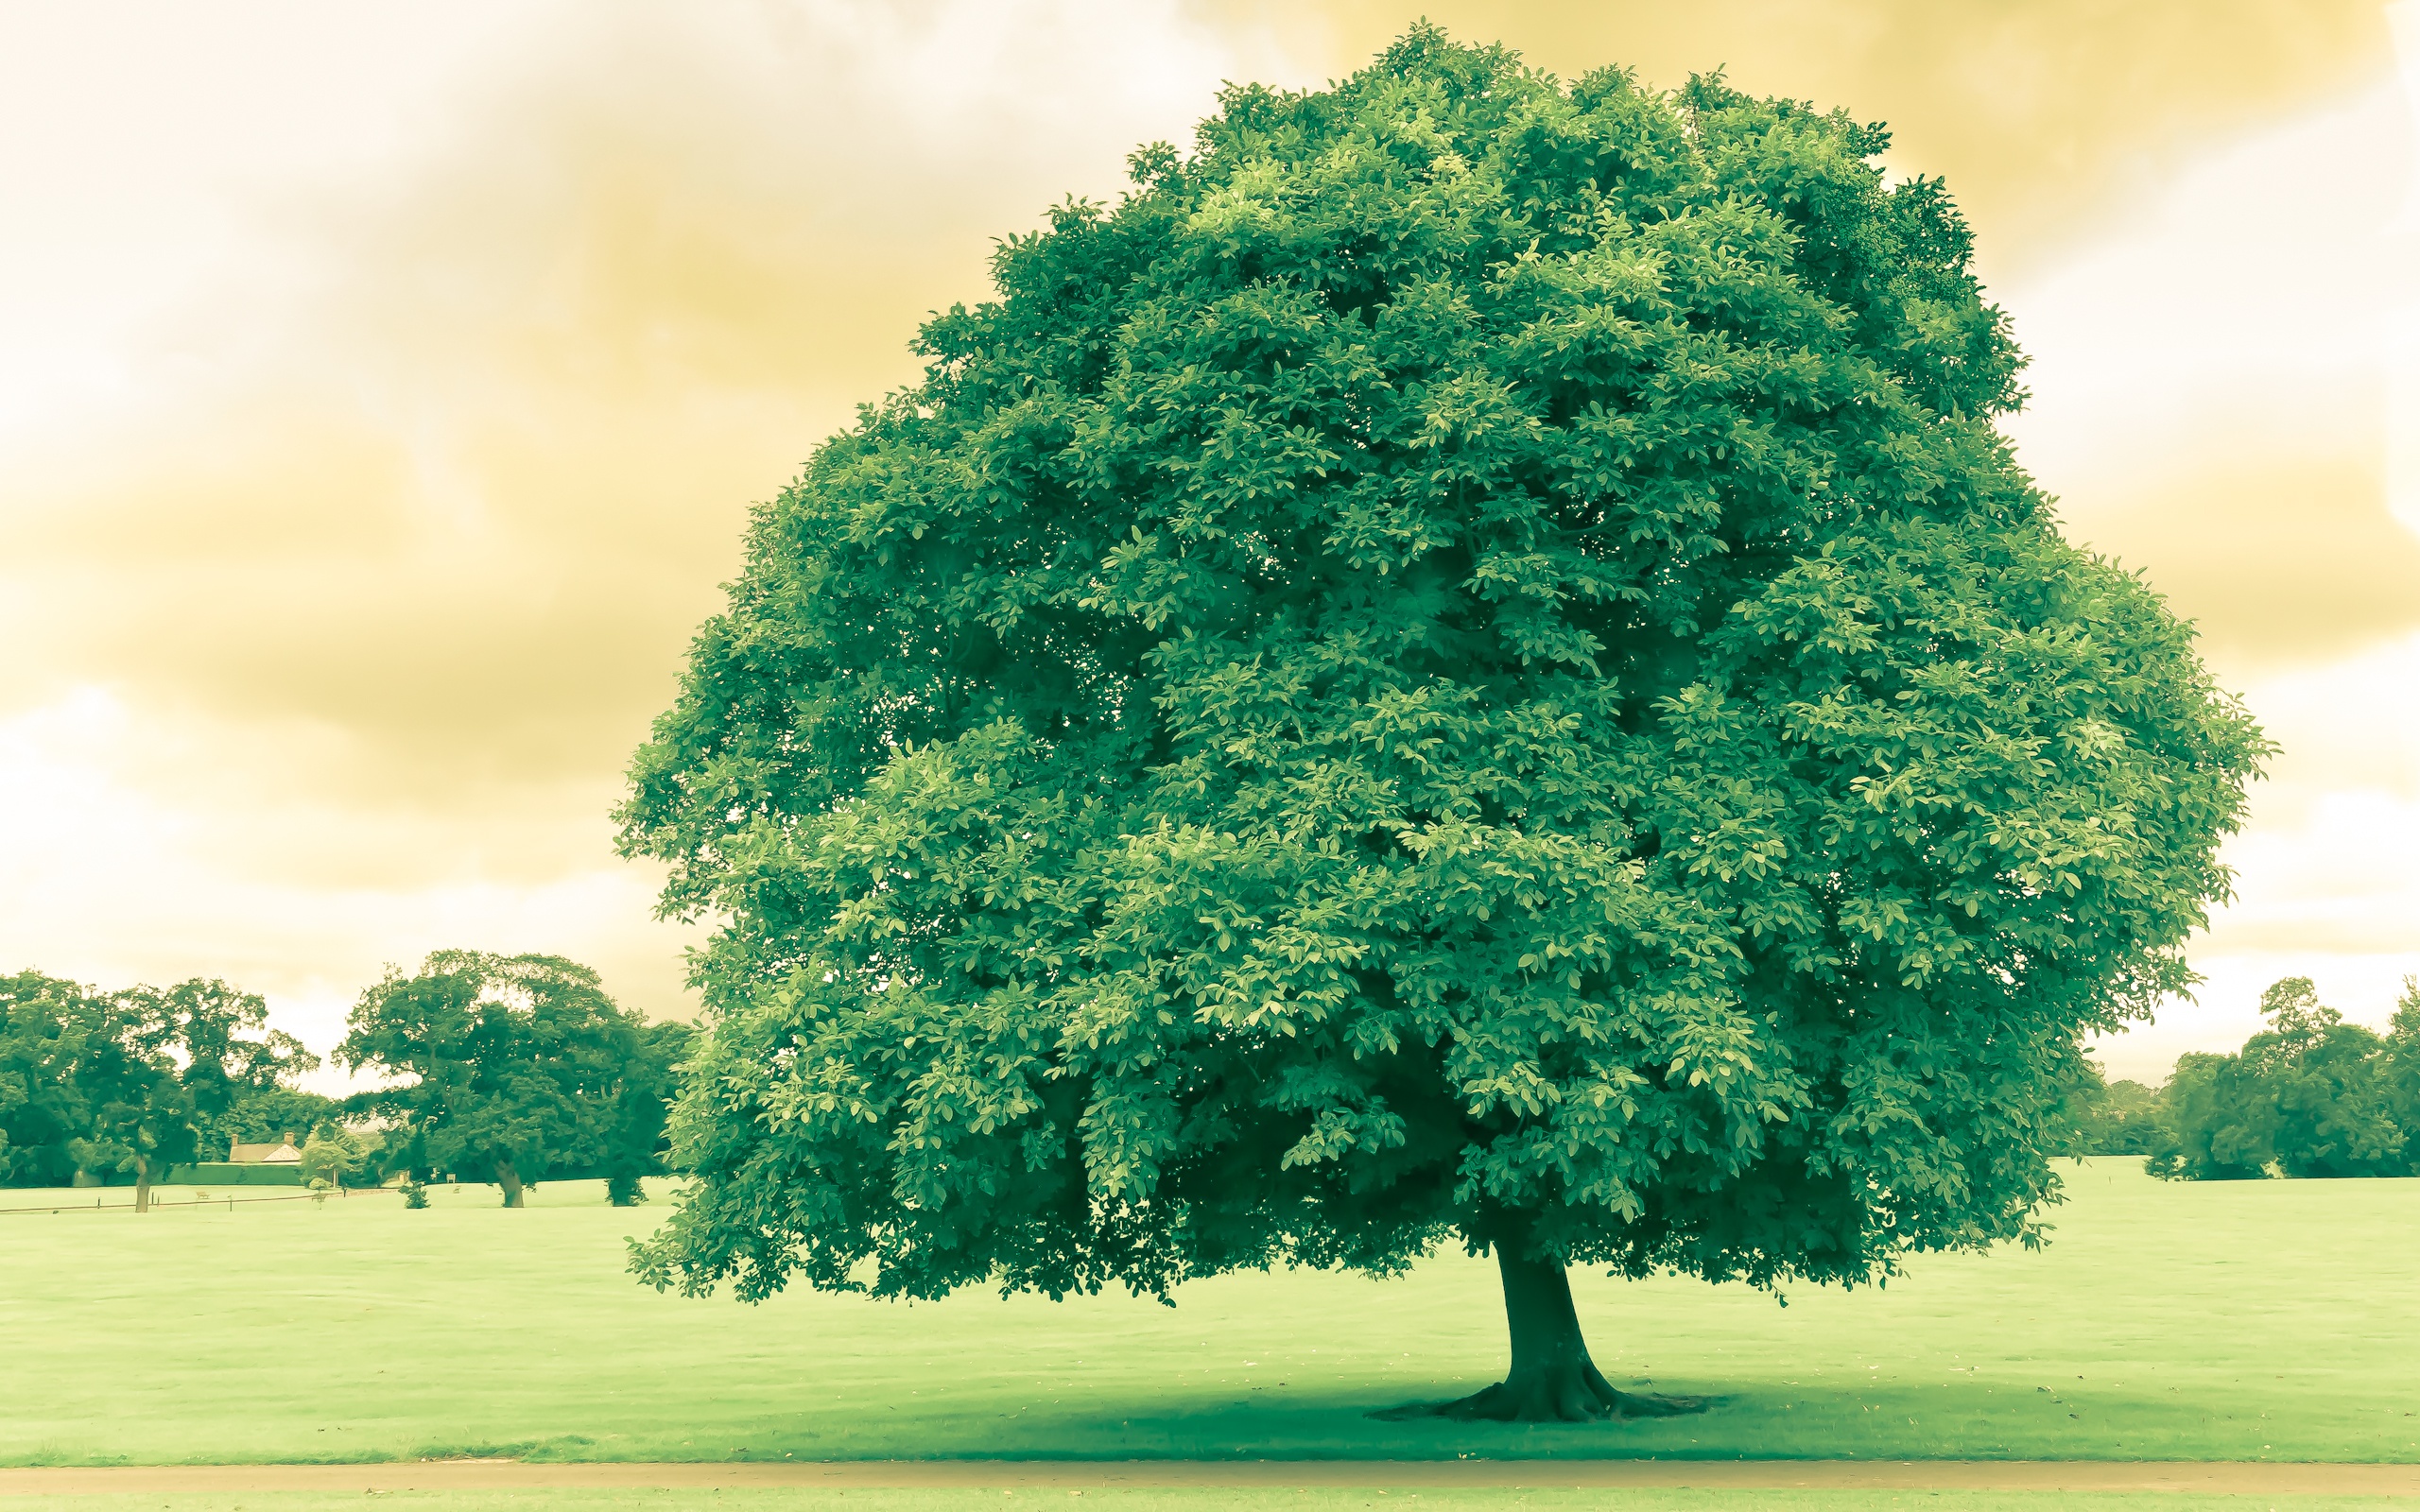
x: 281, y: 1153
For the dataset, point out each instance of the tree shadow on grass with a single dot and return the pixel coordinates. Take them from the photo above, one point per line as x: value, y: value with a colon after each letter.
x: 1493, y: 1405
x: 1341, y: 1424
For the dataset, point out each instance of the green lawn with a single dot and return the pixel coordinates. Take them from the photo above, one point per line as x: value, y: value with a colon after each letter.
x: 2222, y: 1321
x: 1224, y: 1500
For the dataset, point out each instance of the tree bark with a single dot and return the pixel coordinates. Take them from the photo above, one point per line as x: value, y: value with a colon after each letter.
x: 508, y: 1178
x: 141, y: 1184
x: 1551, y: 1378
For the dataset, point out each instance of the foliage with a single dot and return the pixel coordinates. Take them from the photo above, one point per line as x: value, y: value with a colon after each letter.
x: 44, y: 1023
x: 2309, y: 1096
x: 2127, y: 1122
x: 268, y: 1115
x: 415, y: 1193
x: 1468, y: 661
x: 2399, y: 1069
x: 506, y: 1065
x: 637, y: 1146
x: 2103, y: 1117
x: 338, y: 1156
x: 164, y: 1064
x: 2219, y: 1125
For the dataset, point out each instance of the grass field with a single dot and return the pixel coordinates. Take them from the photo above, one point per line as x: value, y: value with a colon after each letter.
x: 2257, y: 1320
x: 1223, y: 1500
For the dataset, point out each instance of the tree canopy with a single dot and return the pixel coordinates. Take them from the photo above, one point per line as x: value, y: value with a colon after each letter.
x: 2106, y: 1117
x: 45, y: 1024
x: 2311, y: 1095
x: 135, y: 1081
x: 270, y: 1114
x: 1468, y: 661
x: 512, y: 1066
x: 2122, y: 1119
x: 167, y: 1065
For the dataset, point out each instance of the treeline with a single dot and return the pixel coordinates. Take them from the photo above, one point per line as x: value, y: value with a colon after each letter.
x: 493, y: 1068
x: 138, y: 1080
x: 2310, y: 1095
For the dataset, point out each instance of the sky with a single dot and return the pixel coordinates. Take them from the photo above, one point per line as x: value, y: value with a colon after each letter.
x: 383, y: 390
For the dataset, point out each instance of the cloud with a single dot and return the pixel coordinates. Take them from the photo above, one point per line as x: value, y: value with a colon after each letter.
x: 2044, y: 116
x: 385, y: 397
x: 393, y: 515
x: 2213, y: 374
x: 153, y: 848
x: 466, y: 493
x: 2210, y: 390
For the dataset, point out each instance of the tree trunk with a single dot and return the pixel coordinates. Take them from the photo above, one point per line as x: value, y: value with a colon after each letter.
x: 141, y: 1184
x: 1551, y: 1379
x: 508, y: 1178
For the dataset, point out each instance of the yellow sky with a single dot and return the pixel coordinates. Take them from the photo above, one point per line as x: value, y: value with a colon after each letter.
x: 382, y: 391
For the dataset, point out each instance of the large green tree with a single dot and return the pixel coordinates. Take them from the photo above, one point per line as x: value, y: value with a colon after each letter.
x: 511, y: 1066
x: 2399, y: 1073
x: 44, y: 1026
x: 2310, y: 1095
x: 1468, y: 663
x: 164, y: 1065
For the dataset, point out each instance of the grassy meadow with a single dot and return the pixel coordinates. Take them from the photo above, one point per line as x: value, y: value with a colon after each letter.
x: 1223, y: 1500
x: 2275, y: 1320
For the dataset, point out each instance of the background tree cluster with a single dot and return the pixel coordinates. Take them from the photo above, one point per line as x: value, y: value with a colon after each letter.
x: 2310, y: 1095
x: 2113, y: 1117
x: 508, y: 1069
x: 514, y: 1068
x: 135, y: 1081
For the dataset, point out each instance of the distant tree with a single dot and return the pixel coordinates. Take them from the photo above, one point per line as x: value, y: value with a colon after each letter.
x: 2399, y: 1072
x: 2305, y: 1097
x: 2334, y: 1119
x: 138, y: 1118
x: 2219, y: 1122
x: 1469, y: 664
x: 508, y: 1066
x: 165, y: 1064
x: 262, y: 1116
x: 2109, y: 1118
x: 2128, y: 1121
x: 44, y: 1023
x: 336, y: 1154
x: 637, y: 1147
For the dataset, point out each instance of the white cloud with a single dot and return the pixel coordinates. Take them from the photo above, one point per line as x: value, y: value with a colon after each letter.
x: 114, y: 876
x: 380, y: 402
x: 2240, y: 320
x: 2403, y: 324
x: 185, y: 249
x: 2238, y: 307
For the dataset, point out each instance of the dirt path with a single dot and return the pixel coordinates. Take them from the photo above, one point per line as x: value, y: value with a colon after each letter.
x: 1933, y: 1475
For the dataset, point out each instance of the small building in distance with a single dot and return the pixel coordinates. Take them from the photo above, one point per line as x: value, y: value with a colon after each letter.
x: 282, y: 1151
x: 278, y: 1164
